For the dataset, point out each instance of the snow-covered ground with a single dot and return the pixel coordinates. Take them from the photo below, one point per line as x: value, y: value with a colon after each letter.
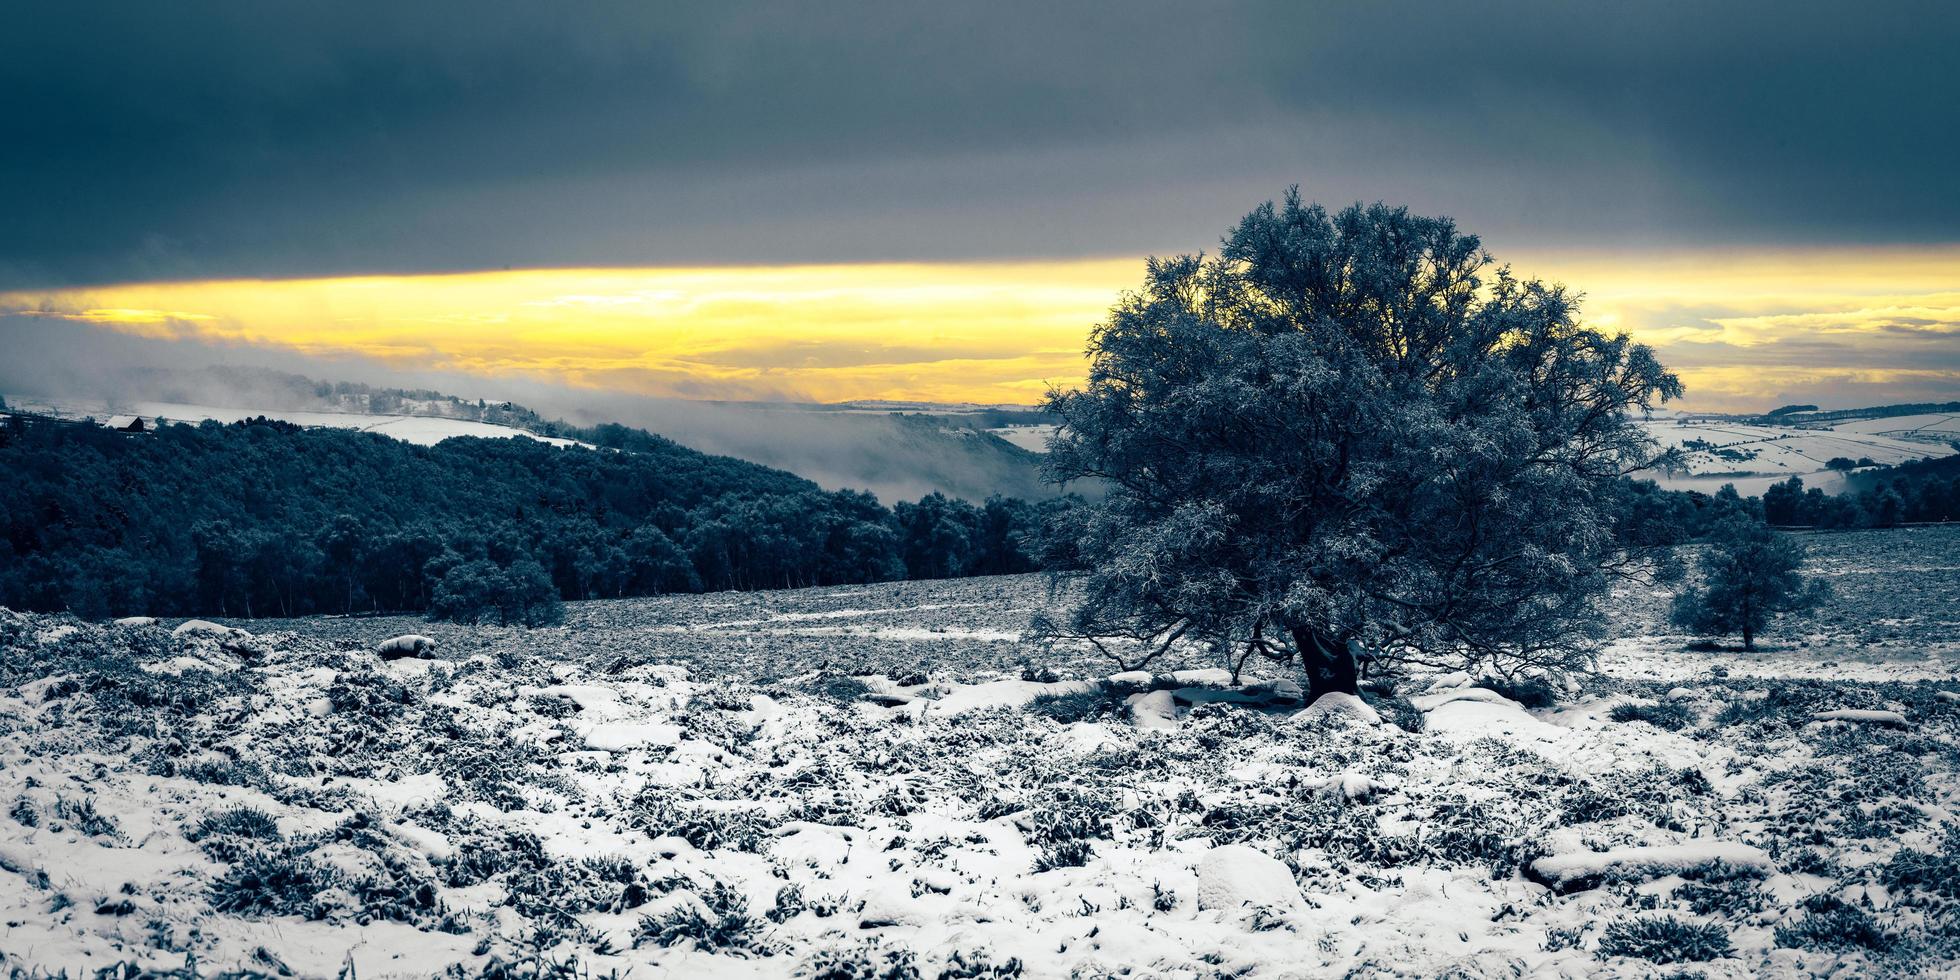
x: 1033, y: 438
x: 422, y: 430
x: 1755, y: 457
x: 885, y: 781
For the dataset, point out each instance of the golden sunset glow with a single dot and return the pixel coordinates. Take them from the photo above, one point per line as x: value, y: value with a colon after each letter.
x: 1002, y: 332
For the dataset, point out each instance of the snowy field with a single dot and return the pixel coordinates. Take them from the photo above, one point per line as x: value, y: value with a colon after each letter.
x: 886, y: 781
x: 422, y: 430
x: 1033, y: 438
x: 1756, y: 457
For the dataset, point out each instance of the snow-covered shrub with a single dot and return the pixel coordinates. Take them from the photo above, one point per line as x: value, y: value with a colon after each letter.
x: 228, y: 835
x: 837, y: 687
x: 216, y: 771
x: 25, y: 812
x: 656, y: 813
x: 1826, y: 922
x: 1671, y: 715
x: 976, y: 966
x: 1926, y: 877
x: 1062, y: 854
x: 1722, y: 888
x: 1491, y: 834
x: 1093, y: 705
x: 1532, y: 692
x: 866, y: 962
x: 726, y: 927
x: 279, y: 881
x: 80, y: 813
x: 487, y: 855
x: 1398, y: 710
x: 1665, y: 940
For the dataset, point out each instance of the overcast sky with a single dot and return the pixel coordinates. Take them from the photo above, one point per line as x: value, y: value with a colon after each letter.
x: 197, y: 141
x: 193, y: 140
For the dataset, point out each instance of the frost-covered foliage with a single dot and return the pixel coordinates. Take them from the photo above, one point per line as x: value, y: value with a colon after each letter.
x: 690, y: 787
x: 1350, y: 431
x: 1750, y: 576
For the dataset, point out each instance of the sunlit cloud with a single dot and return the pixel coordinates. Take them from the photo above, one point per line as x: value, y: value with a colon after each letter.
x: 1741, y: 328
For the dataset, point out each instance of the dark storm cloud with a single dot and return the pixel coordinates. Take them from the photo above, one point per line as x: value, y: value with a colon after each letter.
x: 272, y: 138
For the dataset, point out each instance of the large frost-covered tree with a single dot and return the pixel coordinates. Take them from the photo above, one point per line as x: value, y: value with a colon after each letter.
x: 1350, y: 434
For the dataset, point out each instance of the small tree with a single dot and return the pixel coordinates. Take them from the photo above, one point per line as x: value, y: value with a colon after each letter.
x: 1749, y: 576
x: 1348, y: 433
x: 468, y: 592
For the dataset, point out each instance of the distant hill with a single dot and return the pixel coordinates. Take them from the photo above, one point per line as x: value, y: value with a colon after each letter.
x: 896, y: 450
x: 262, y: 516
x: 1756, y: 451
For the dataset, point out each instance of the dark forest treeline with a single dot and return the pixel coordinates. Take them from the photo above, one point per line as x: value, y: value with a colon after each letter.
x: 263, y: 518
x: 1927, y: 491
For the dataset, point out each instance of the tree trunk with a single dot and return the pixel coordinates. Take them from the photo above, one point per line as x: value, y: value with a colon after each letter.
x: 1329, y: 664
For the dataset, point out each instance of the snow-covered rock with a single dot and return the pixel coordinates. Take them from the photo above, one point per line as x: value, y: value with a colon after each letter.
x: 406, y: 645
x: 1430, y: 702
x: 1583, y: 869
x: 1156, y: 710
x: 1947, y: 695
x: 1338, y: 705
x: 1348, y: 787
x: 1862, y: 716
x: 137, y: 621
x: 1215, y: 676
x: 1235, y: 876
x: 194, y: 628
x: 1141, y: 677
x: 1682, y: 694
x: 1450, y: 681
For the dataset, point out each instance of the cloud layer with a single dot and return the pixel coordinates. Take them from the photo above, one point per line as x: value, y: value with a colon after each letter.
x: 175, y: 141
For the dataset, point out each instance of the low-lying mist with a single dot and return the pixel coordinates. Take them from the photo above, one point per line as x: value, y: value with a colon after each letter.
x: 896, y: 457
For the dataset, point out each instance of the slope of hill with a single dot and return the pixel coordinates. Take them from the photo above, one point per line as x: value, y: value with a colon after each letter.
x: 420, y: 430
x: 898, y: 451
x: 1755, y: 454
x: 266, y: 515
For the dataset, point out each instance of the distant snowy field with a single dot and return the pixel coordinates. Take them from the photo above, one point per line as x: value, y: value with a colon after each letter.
x: 1755, y: 457
x: 421, y: 430
x: 887, y: 781
x: 1033, y: 438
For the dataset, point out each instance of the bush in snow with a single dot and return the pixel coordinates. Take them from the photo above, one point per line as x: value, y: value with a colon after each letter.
x: 867, y: 962
x: 725, y: 927
x: 274, y: 882
x: 1532, y: 692
x: 1665, y: 940
x: 1828, y: 923
x: 976, y: 966
x: 1926, y: 877
x: 1722, y: 888
x: 1093, y: 705
x: 228, y: 835
x: 1671, y: 715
